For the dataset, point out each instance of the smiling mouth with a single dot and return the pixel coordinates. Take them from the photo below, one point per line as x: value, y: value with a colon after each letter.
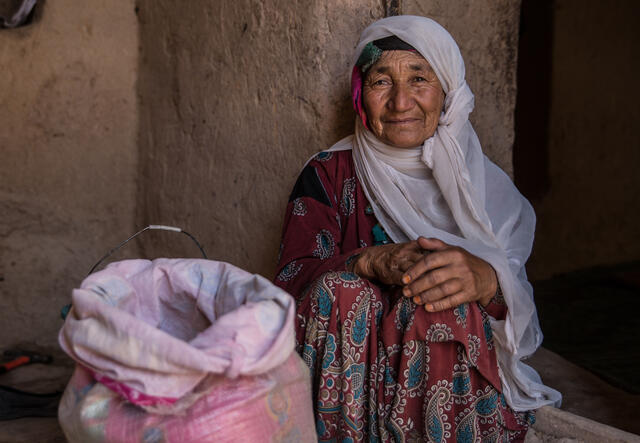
x: 401, y: 121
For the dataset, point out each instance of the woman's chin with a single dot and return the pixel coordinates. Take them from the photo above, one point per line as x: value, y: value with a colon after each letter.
x: 403, y: 141
x: 404, y: 137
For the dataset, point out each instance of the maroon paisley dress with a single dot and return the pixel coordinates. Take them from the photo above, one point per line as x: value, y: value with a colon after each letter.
x: 382, y: 368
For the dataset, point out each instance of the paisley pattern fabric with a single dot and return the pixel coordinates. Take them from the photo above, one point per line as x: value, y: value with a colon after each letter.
x: 289, y: 271
x: 299, y: 207
x: 383, y: 368
x: 348, y: 198
x: 324, y: 244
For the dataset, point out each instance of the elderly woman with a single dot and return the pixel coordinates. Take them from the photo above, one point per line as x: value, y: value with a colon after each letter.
x: 405, y: 248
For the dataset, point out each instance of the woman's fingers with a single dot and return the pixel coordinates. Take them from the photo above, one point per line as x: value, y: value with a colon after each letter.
x: 429, y: 262
x: 446, y: 275
x: 397, y: 268
x: 431, y: 244
x: 409, y: 260
x: 387, y: 263
x: 448, y: 302
x: 444, y: 271
x: 393, y: 277
x: 397, y: 260
x: 428, y: 280
x: 443, y: 290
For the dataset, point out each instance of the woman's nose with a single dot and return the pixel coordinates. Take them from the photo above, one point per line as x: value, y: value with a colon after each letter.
x: 401, y: 99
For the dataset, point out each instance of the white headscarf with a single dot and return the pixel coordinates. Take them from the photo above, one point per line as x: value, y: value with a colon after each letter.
x: 448, y: 189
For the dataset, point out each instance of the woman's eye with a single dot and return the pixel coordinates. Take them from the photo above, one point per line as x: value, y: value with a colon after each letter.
x: 420, y: 79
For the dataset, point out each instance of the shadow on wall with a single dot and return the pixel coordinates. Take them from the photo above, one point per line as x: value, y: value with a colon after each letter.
x: 577, y: 148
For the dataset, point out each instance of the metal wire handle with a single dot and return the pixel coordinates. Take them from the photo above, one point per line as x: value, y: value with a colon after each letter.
x: 152, y: 227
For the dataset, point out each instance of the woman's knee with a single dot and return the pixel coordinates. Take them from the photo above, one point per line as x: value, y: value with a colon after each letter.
x: 343, y: 289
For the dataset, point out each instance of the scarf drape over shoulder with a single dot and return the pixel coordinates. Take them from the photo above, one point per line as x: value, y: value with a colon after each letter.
x: 448, y: 189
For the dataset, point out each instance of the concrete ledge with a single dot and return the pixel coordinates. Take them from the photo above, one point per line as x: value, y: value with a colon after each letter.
x: 555, y: 425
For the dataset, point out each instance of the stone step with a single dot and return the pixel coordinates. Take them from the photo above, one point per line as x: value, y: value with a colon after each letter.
x: 556, y: 425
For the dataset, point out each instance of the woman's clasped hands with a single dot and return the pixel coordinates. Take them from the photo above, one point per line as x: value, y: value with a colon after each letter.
x: 431, y: 272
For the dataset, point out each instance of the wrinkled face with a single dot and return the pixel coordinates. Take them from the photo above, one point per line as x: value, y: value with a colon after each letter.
x: 403, y: 99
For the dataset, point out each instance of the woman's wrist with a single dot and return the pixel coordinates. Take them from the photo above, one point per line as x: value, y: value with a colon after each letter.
x: 350, y: 263
x: 360, y: 264
x: 494, y: 290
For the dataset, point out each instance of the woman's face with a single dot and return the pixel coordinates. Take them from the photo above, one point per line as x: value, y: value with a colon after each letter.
x: 403, y: 98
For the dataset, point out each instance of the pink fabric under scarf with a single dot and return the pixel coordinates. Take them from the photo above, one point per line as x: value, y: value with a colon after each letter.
x: 356, y: 94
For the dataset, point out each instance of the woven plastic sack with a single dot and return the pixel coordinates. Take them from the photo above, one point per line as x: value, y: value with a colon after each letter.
x: 183, y: 350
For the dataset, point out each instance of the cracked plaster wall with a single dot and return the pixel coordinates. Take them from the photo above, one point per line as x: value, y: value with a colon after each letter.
x: 68, y: 143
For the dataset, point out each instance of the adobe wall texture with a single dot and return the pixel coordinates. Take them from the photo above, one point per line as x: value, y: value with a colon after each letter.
x: 68, y: 143
x: 236, y: 95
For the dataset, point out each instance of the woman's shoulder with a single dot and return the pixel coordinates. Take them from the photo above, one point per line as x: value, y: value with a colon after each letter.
x: 324, y: 175
x: 336, y: 157
x: 331, y: 158
x: 334, y: 165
